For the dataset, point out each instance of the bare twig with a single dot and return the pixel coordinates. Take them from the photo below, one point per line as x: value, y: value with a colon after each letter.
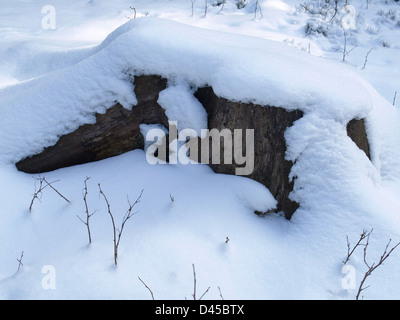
x: 220, y: 293
x: 222, y: 5
x: 204, y: 293
x: 373, y: 266
x: 259, y: 9
x: 336, y: 10
x: 306, y: 8
x: 43, y: 183
x: 366, y: 58
x: 38, y: 192
x: 134, y: 13
x: 20, y: 264
x: 147, y: 287
x: 113, y: 224
x: 49, y: 184
x: 345, y: 45
x: 394, y: 98
x: 193, y: 2
x: 350, y: 251
x: 195, y: 284
x: 127, y: 216
x: 88, y: 215
x: 345, y: 52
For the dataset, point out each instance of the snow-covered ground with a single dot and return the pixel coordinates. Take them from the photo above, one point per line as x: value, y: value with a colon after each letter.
x: 53, y: 80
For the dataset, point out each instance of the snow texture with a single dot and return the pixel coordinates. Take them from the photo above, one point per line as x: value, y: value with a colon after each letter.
x: 53, y: 81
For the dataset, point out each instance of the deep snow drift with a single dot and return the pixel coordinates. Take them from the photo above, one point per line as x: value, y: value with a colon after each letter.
x: 268, y: 74
x: 187, y: 212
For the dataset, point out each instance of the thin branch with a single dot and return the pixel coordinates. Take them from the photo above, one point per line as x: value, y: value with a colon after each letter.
x: 220, y: 293
x: 345, y: 52
x: 88, y: 215
x: 194, y: 282
x: 336, y: 10
x: 127, y: 216
x: 38, y: 192
x: 350, y: 251
x: 134, y: 13
x: 366, y: 58
x: 204, y: 293
x: 193, y: 2
x: 20, y: 261
x: 373, y: 266
x: 49, y: 184
x: 305, y: 7
x: 222, y: 5
x: 394, y: 98
x: 345, y: 45
x: 255, y: 10
x: 113, y: 224
x: 151, y: 292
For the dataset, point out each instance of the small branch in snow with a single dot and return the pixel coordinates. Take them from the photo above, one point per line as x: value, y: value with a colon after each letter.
x: 335, y: 10
x: 43, y: 183
x: 38, y: 192
x: 128, y: 215
x: 394, y: 98
x: 350, y: 251
x: 147, y: 287
x: 194, y: 282
x: 259, y: 9
x: 88, y: 215
x: 345, y: 52
x: 193, y: 3
x: 20, y: 264
x: 134, y: 14
x: 306, y: 8
x: 54, y: 189
x: 194, y: 285
x: 373, y: 266
x: 220, y: 293
x: 204, y: 293
x: 222, y: 5
x: 113, y: 224
x: 366, y: 58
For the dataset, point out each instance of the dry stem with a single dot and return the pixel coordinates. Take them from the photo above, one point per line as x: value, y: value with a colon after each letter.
x: 88, y: 215
x: 127, y: 216
x: 147, y: 287
x: 374, y: 266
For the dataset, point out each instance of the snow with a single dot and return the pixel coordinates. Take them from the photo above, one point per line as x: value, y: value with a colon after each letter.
x: 67, y: 98
x: 181, y: 106
x: 53, y: 81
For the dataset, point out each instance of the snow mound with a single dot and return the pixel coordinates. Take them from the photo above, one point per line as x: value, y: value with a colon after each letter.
x: 188, y: 213
x: 34, y: 114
